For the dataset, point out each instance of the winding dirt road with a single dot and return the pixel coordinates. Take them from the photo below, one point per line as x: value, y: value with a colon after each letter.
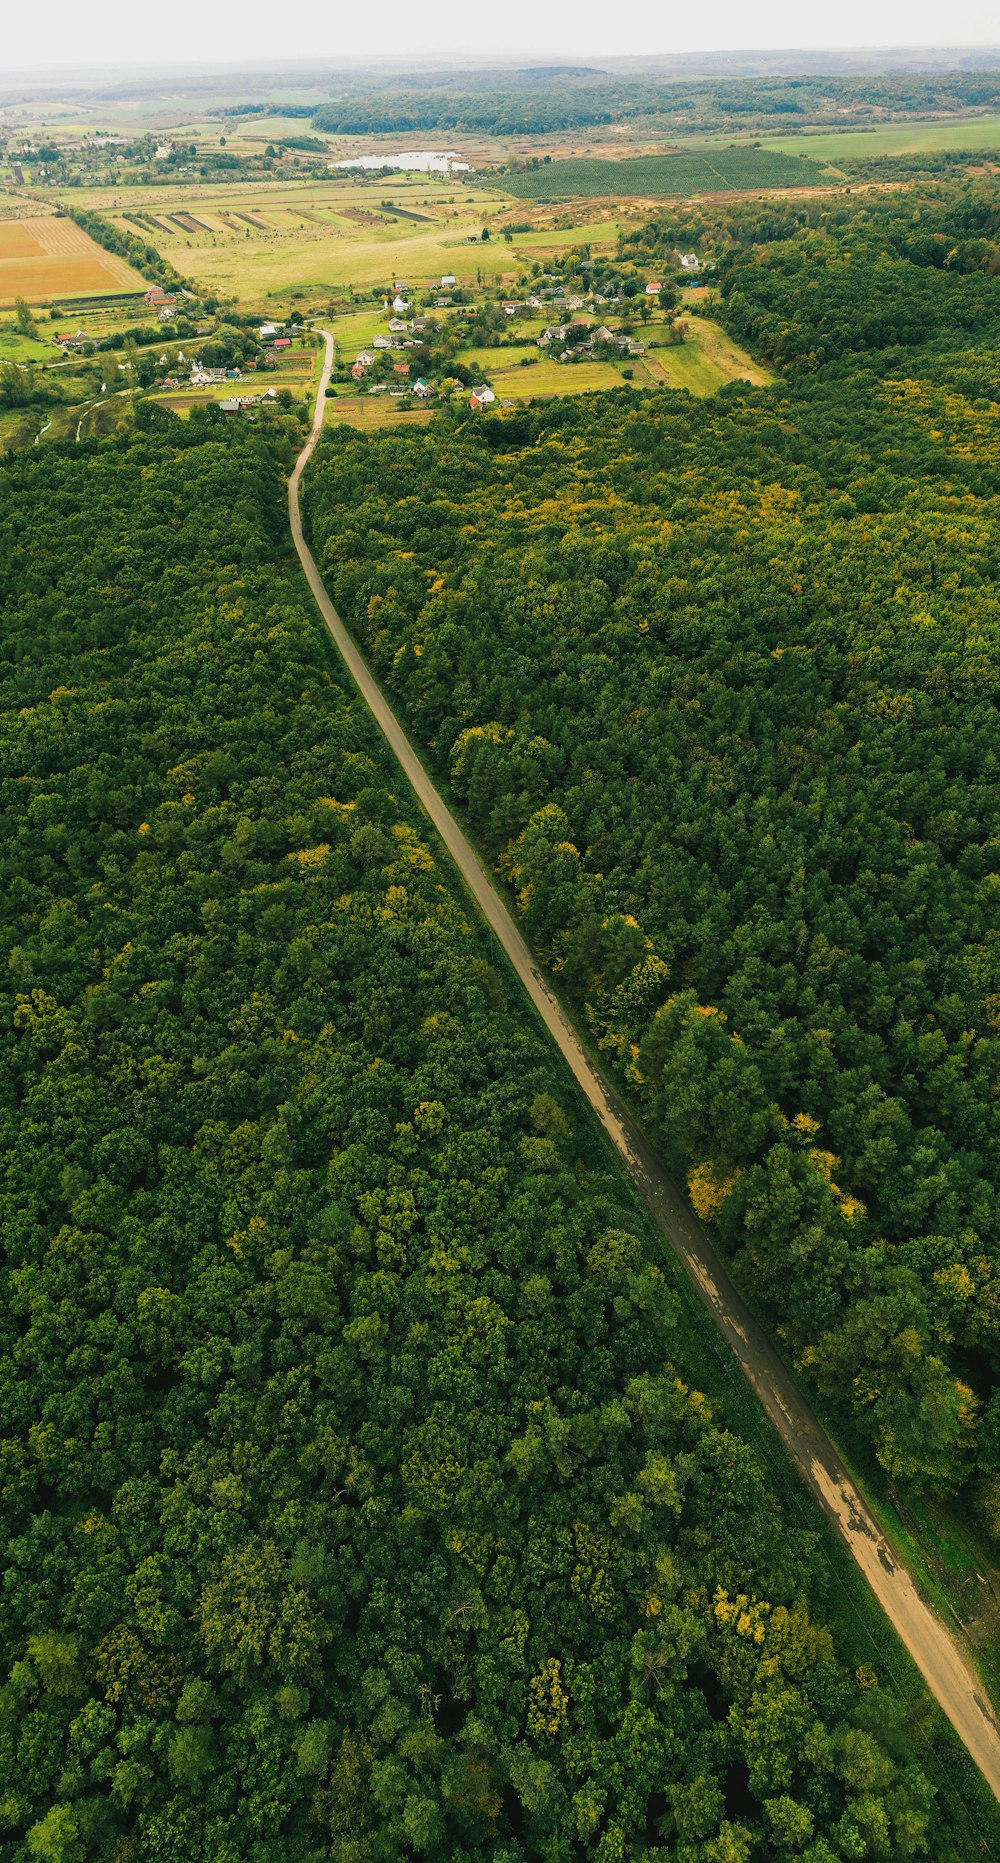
x: 934, y: 1649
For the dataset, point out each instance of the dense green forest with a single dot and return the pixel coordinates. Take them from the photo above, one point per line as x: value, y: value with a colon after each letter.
x: 360, y: 1499
x: 511, y: 102
x: 716, y: 684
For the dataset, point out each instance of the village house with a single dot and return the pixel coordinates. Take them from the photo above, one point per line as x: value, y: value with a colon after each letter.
x: 422, y: 388
x: 653, y: 288
x: 167, y: 313
x: 448, y: 278
x: 482, y: 397
x: 383, y: 342
x: 365, y: 357
x: 421, y: 326
x: 398, y: 323
x: 237, y: 403
x: 203, y: 378
x: 401, y: 368
x: 690, y: 262
x: 510, y: 308
x: 358, y: 371
x: 442, y: 303
x: 556, y: 333
x: 400, y: 304
x: 282, y: 342
x: 157, y: 295
x: 267, y: 331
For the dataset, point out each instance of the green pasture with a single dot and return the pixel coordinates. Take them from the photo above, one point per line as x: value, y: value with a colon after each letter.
x: 977, y: 133
x: 17, y: 348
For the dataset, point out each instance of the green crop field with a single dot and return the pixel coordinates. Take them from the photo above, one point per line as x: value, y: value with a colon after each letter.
x: 975, y: 134
x: 709, y: 171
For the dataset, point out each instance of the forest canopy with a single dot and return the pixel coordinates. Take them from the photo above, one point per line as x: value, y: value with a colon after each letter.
x: 716, y: 684
x: 361, y: 1498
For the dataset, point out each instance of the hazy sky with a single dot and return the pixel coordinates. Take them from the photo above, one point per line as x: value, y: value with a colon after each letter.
x: 62, y: 33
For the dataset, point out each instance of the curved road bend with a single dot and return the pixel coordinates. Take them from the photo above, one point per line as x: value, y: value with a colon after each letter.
x: 933, y: 1648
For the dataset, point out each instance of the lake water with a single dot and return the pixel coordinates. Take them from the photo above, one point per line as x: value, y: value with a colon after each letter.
x: 416, y: 161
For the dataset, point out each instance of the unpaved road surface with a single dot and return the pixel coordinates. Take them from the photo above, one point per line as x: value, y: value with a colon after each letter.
x: 936, y: 1652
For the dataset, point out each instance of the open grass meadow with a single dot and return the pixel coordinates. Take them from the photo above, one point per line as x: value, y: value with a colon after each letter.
x: 48, y: 258
x: 711, y: 170
x: 17, y: 348
x: 975, y: 134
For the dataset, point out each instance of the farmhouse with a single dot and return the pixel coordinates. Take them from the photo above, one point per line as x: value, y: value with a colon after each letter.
x: 236, y: 403
x: 690, y: 262
x: 556, y: 333
x: 203, y: 378
x: 359, y: 371
x: 400, y: 304
x: 383, y: 342
x: 398, y: 323
x: 401, y: 368
x: 365, y: 357
x: 653, y: 288
x: 157, y: 295
x: 282, y: 342
x: 422, y: 388
x: 448, y: 278
x: 482, y: 397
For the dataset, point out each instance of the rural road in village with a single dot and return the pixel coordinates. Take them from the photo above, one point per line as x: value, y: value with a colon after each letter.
x: 936, y: 1652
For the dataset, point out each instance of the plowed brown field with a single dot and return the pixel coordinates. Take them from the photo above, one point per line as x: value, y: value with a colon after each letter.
x: 51, y: 258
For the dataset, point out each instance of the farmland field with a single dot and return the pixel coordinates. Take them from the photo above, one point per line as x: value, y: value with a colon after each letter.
x: 708, y: 171
x: 297, y: 241
x: 50, y: 258
x: 300, y: 245
x: 962, y: 133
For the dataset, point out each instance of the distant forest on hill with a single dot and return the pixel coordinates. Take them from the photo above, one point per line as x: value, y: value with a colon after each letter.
x: 511, y: 103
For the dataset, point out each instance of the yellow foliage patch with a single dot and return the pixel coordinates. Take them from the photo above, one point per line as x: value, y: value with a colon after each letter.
x: 710, y: 1186
x: 548, y: 1701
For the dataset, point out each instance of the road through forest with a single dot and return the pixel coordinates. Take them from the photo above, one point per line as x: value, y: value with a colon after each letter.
x: 936, y: 1652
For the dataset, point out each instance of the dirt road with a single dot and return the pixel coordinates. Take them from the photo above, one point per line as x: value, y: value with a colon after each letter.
x: 934, y: 1649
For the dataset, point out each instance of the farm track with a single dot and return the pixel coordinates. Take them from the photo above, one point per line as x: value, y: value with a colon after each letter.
x: 935, y: 1651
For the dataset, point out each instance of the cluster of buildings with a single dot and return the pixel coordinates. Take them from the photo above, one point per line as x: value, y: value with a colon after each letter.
x: 557, y: 335
x: 163, y: 302
x: 237, y: 403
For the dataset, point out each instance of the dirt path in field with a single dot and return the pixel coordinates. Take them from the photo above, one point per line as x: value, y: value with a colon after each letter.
x: 936, y: 1652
